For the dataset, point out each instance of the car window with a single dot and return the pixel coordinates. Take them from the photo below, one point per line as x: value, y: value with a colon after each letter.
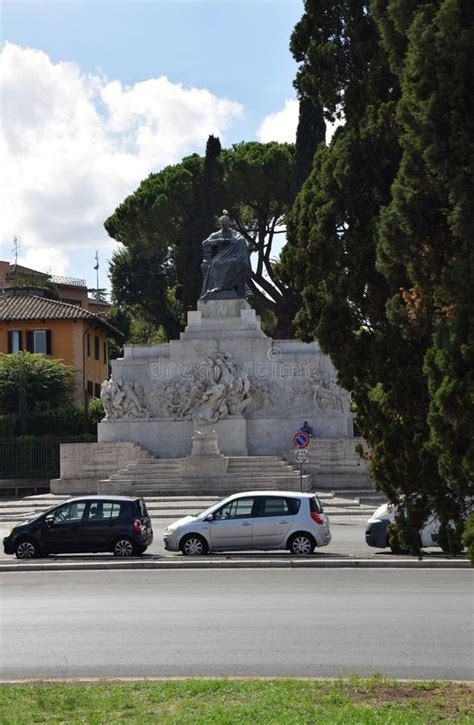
x: 69, y: 512
x: 278, y: 506
x: 143, y: 512
x: 315, y: 505
x: 104, y: 511
x: 240, y: 508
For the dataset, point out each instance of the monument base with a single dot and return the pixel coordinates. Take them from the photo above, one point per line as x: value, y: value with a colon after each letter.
x: 224, y: 375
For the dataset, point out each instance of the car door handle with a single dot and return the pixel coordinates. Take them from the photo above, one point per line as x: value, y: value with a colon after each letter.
x: 284, y: 522
x: 247, y: 523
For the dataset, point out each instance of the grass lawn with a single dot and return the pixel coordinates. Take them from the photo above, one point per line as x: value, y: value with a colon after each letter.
x: 352, y: 700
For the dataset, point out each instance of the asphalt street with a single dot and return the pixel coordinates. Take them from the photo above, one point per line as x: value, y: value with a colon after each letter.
x: 413, y: 624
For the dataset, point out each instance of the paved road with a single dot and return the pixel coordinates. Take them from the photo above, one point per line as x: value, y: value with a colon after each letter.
x: 269, y: 623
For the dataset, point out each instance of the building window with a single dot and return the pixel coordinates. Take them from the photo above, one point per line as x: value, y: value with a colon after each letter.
x: 96, y: 347
x: 97, y: 390
x: 14, y: 341
x: 39, y: 341
x: 90, y: 389
x: 88, y: 345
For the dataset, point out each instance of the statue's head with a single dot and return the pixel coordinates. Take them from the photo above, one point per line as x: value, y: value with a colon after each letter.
x: 225, y: 220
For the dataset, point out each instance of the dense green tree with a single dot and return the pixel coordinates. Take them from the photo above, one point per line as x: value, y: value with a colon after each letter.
x: 332, y: 251
x: 151, y: 224
x: 310, y: 133
x: 258, y: 185
x: 199, y: 222
x: 34, y: 382
x: 379, y: 235
x: 427, y: 231
x: 162, y: 225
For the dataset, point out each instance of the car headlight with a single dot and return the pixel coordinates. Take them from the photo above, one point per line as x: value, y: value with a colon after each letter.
x: 170, y: 530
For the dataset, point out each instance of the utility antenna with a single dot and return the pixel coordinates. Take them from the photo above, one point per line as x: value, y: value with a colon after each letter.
x: 97, y: 268
x: 16, y: 246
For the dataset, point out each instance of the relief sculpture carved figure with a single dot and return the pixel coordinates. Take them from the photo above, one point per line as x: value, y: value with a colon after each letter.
x: 217, y: 391
x: 329, y: 398
x: 123, y: 400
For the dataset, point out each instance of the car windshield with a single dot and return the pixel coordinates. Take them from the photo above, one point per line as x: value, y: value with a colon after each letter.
x: 35, y: 515
x: 210, y: 509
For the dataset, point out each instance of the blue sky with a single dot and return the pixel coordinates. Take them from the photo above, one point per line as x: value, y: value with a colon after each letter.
x: 95, y: 95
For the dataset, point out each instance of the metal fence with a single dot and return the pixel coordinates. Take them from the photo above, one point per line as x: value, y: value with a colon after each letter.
x: 34, y: 456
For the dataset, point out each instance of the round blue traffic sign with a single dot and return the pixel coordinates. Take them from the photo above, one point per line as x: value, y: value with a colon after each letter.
x: 301, y: 439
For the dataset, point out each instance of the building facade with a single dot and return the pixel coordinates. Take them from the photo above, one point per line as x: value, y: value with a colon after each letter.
x: 30, y: 321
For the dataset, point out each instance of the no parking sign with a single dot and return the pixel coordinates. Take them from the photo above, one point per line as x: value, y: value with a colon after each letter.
x: 301, y: 439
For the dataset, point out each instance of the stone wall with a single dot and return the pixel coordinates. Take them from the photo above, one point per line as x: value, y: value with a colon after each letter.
x: 83, y: 465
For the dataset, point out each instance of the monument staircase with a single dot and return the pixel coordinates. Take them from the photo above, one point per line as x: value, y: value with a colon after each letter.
x: 175, y: 477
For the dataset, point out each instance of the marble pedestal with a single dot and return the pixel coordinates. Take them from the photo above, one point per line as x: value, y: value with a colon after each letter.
x: 224, y: 375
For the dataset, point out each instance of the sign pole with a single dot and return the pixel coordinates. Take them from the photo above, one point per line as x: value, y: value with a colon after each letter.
x: 301, y: 441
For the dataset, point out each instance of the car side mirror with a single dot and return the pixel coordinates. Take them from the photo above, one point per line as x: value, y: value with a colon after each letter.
x: 210, y: 517
x: 49, y: 521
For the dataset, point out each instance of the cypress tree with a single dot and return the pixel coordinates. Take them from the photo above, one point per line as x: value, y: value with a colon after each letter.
x: 311, y: 132
x: 380, y: 241
x: 426, y: 231
x: 332, y: 250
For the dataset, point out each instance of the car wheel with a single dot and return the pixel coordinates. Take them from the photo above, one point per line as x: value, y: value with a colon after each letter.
x: 123, y: 548
x: 302, y: 544
x: 193, y: 545
x: 26, y: 549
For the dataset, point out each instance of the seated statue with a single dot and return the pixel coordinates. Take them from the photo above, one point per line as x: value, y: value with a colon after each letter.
x: 226, y: 263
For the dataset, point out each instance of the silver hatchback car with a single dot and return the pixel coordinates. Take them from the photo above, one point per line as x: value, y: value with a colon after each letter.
x: 253, y: 520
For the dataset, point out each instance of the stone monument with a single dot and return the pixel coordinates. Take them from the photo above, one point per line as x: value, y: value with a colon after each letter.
x: 224, y: 377
x: 226, y: 263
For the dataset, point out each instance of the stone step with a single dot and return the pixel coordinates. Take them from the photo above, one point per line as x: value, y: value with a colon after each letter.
x: 239, y: 459
x: 256, y: 469
x: 228, y: 478
x: 218, y: 482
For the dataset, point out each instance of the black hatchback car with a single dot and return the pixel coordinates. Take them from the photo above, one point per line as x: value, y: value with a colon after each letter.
x: 119, y: 524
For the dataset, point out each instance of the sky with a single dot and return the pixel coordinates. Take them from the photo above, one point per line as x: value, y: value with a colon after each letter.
x: 97, y: 94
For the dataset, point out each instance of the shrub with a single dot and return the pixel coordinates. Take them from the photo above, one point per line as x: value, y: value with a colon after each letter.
x: 36, y: 380
x: 95, y: 411
x: 64, y: 420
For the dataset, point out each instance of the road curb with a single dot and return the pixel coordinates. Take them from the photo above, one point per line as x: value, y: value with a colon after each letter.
x: 152, y: 679
x: 187, y: 564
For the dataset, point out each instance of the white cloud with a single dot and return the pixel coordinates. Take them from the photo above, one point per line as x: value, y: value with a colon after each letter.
x: 331, y: 128
x: 45, y: 259
x: 280, y: 126
x: 74, y: 145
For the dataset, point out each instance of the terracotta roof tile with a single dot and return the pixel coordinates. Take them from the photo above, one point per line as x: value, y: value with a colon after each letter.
x: 33, y: 307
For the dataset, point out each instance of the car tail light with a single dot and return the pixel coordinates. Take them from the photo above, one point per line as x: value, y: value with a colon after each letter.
x: 137, y: 526
x: 316, y: 517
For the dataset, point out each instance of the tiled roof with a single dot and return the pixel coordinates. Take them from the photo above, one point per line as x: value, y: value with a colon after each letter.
x: 33, y: 307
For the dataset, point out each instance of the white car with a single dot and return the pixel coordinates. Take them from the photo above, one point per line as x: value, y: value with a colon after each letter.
x: 253, y: 520
x: 376, y: 531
